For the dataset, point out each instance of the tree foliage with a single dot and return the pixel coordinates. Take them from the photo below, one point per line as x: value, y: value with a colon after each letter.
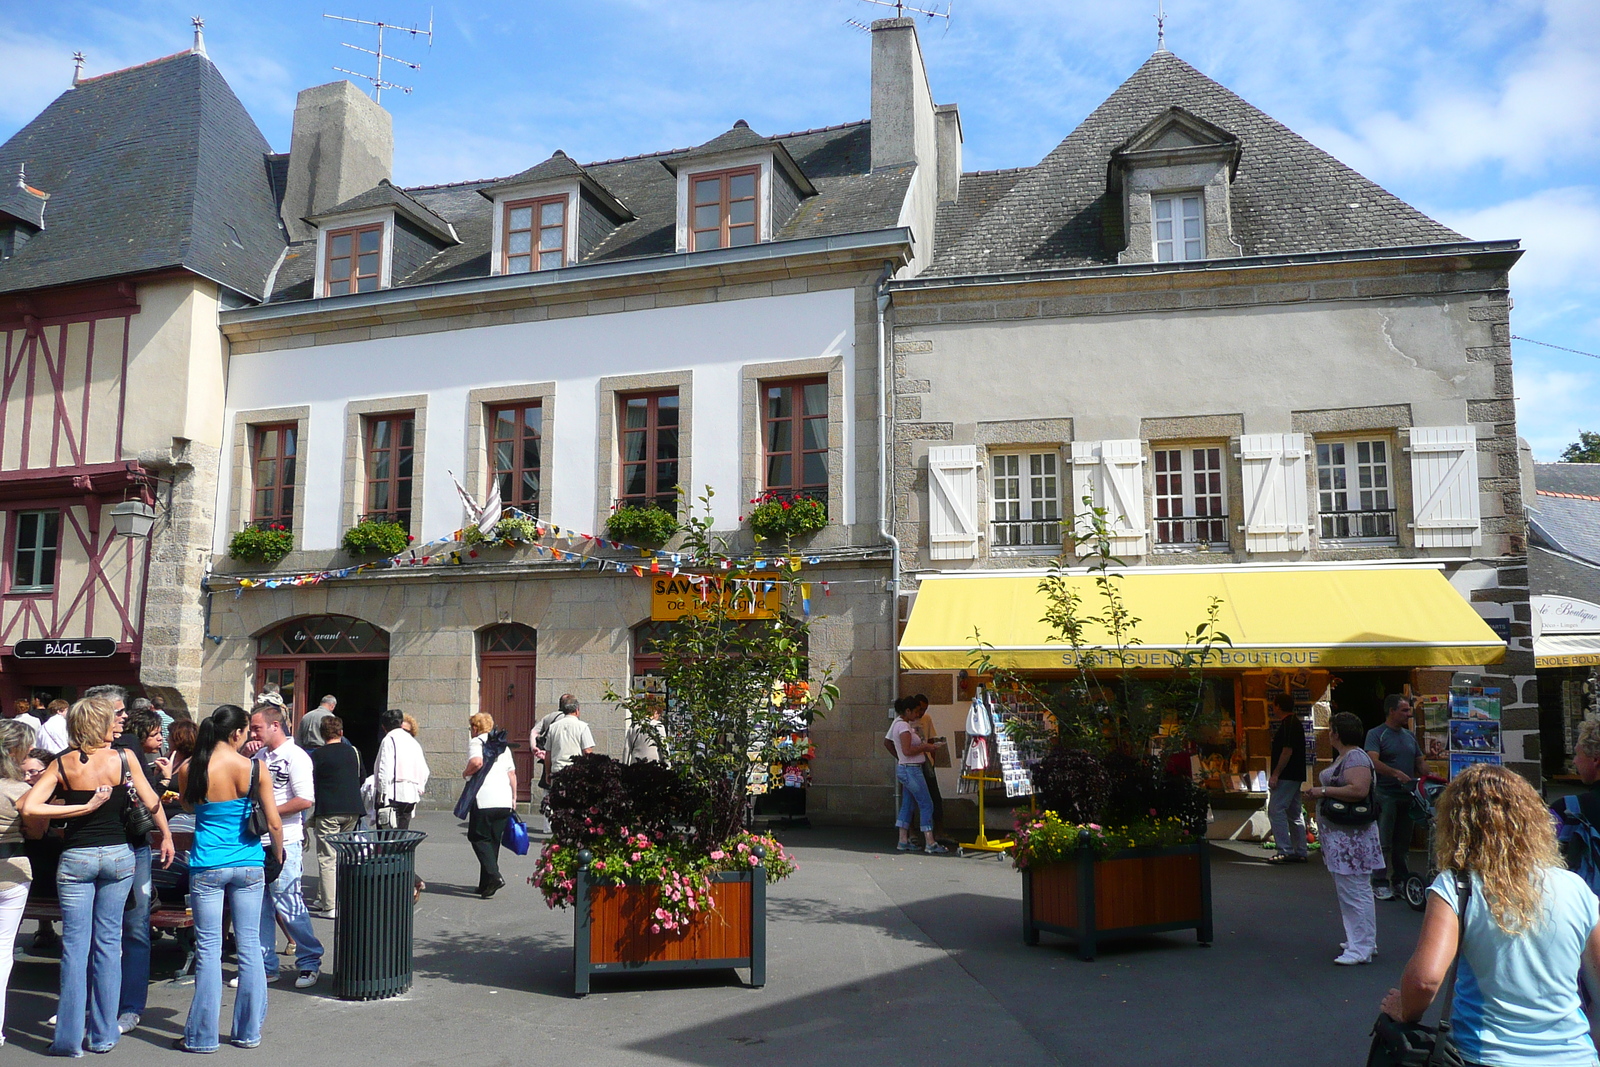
x: 1585, y: 450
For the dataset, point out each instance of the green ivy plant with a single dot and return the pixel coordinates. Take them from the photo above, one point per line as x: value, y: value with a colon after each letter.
x: 650, y: 526
x: 266, y: 546
x: 776, y: 519
x: 376, y: 537
x: 508, y: 532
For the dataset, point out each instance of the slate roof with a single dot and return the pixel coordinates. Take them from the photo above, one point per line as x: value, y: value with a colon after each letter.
x: 1580, y: 478
x: 152, y: 167
x: 386, y: 195
x: 1552, y: 574
x: 851, y: 198
x: 1288, y: 195
x: 19, y: 200
x: 1567, y: 523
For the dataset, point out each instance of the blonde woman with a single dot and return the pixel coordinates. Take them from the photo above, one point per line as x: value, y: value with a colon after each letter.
x: 1530, y: 926
x: 96, y: 870
x: 492, y: 787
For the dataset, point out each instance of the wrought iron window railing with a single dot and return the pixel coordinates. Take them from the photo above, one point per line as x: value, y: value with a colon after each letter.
x: 1357, y: 525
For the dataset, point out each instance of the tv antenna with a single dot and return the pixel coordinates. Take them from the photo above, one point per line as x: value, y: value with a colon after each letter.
x: 377, y: 80
x: 900, y: 9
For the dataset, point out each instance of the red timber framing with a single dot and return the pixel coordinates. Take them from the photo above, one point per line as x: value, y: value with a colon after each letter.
x: 63, y: 397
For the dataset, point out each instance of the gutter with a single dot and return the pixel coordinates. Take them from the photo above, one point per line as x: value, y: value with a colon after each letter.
x: 585, y: 272
x: 1117, y: 270
x: 885, y: 451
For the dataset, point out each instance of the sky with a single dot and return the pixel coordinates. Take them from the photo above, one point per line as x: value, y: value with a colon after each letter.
x: 1483, y: 113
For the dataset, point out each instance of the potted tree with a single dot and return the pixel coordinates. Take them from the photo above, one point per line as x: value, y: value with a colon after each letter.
x: 657, y: 859
x: 1119, y: 847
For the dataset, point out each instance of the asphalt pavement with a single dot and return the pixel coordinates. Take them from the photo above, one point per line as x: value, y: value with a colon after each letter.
x: 874, y: 957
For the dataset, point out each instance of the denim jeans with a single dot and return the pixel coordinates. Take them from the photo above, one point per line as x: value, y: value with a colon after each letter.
x: 1394, y: 837
x: 242, y: 887
x: 1288, y: 816
x: 287, y: 901
x: 93, y: 885
x: 913, y: 796
x: 136, y: 938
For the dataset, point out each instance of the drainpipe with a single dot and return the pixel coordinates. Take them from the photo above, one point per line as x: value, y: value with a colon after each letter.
x: 885, y: 488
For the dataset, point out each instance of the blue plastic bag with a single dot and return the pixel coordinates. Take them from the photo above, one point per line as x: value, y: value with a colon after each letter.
x: 516, y: 835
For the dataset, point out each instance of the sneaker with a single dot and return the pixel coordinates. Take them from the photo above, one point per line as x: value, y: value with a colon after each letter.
x: 1382, y: 892
x: 904, y: 846
x: 233, y: 983
x: 307, y: 979
x: 324, y: 913
x: 936, y: 849
x: 127, y: 1021
x: 1347, y: 960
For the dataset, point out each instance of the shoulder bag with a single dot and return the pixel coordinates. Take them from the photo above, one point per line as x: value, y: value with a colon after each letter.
x: 258, y: 814
x: 1351, y: 812
x: 136, y: 818
x: 1398, y: 1044
x: 388, y: 818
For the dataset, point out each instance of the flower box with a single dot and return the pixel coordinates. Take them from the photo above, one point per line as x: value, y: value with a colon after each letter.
x: 612, y: 930
x: 1131, y: 891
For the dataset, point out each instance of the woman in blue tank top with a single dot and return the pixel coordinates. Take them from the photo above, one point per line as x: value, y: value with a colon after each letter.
x: 226, y: 863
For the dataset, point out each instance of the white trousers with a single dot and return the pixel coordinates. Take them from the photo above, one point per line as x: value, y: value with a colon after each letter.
x: 1359, y: 912
x: 11, y: 904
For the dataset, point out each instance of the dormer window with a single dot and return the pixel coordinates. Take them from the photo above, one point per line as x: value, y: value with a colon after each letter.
x: 354, y: 259
x: 724, y: 209
x: 1179, y: 229
x: 536, y: 234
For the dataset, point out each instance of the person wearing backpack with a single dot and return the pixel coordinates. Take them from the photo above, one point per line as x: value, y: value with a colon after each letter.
x: 1579, y: 813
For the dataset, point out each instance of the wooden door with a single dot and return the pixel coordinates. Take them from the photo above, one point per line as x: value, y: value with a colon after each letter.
x: 505, y: 691
x: 289, y: 675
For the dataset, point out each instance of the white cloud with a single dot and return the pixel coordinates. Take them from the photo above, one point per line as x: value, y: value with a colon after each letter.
x: 1560, y: 228
x: 1554, y: 403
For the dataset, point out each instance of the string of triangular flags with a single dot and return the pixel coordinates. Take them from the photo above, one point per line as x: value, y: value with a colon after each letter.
x: 737, y: 574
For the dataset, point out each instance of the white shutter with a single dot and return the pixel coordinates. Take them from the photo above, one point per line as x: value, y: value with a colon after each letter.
x: 1444, y: 487
x: 1272, y: 467
x: 953, y: 502
x: 1111, y: 475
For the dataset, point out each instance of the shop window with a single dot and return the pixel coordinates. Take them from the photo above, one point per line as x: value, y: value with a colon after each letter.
x: 390, y: 440
x: 515, y: 440
x: 649, y: 442
x: 37, y: 540
x: 536, y: 235
x: 1355, y: 499
x: 352, y: 264
x: 1178, y: 226
x: 1191, y: 497
x: 722, y: 209
x: 1024, y: 500
x: 272, y: 456
x: 794, y: 438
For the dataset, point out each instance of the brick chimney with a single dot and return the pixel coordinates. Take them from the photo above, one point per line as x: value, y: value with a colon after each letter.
x: 342, y: 144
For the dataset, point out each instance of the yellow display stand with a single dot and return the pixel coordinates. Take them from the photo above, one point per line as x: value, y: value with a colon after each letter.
x: 983, y: 844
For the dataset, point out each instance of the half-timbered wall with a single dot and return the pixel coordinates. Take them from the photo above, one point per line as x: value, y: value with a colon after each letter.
x: 61, y: 396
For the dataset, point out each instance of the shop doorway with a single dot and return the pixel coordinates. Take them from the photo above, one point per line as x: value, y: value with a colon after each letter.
x: 507, y: 670
x: 1362, y: 693
x: 330, y: 654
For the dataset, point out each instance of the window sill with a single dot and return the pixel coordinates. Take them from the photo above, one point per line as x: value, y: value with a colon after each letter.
x: 31, y: 591
x: 1358, y: 542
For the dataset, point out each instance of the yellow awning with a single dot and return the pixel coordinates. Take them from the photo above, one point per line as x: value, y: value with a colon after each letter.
x: 1336, y: 617
x: 1566, y: 650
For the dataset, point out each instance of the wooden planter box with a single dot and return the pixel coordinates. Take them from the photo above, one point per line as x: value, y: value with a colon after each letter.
x: 612, y: 933
x: 1135, y: 891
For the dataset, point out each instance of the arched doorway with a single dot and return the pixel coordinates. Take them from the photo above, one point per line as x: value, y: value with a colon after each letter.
x: 336, y: 655
x: 507, y: 670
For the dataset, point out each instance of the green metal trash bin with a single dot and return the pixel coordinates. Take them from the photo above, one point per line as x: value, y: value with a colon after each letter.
x: 372, y: 931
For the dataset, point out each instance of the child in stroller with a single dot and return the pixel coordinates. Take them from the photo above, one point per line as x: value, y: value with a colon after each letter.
x: 1424, y: 801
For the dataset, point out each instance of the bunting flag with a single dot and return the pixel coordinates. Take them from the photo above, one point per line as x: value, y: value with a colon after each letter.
x: 489, y: 518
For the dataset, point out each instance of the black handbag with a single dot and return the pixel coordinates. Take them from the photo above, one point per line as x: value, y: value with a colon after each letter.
x: 1351, y: 812
x: 1398, y: 1044
x: 136, y: 818
x: 258, y: 815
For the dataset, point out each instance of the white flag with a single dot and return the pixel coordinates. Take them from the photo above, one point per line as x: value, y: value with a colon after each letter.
x: 491, y: 509
x: 474, y: 512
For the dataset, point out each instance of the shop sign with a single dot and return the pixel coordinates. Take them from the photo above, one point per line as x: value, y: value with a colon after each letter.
x: 1220, y: 657
x: 66, y: 648
x: 674, y: 598
x: 1563, y: 614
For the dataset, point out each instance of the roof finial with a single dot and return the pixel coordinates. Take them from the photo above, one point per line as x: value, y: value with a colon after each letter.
x: 1161, y: 26
x: 77, y: 68
x: 199, y: 48
x: 22, y: 175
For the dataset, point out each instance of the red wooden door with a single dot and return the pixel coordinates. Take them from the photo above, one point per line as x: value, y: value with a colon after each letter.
x: 505, y: 691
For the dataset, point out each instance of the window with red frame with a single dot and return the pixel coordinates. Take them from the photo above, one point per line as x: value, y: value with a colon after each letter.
x: 794, y: 437
x: 514, y: 453
x: 649, y: 447
x: 390, y: 441
x: 352, y: 264
x: 536, y: 235
x: 722, y: 209
x: 273, y: 457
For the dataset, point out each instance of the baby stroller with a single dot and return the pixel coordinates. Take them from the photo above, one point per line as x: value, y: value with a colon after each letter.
x: 1424, y: 801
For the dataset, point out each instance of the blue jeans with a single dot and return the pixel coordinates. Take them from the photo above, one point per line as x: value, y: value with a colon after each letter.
x: 243, y: 888
x: 287, y: 902
x: 93, y: 885
x: 913, y: 795
x: 136, y: 938
x: 1288, y: 816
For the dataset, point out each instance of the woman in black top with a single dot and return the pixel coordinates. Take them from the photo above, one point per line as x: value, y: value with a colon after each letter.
x: 336, y: 779
x: 96, y: 870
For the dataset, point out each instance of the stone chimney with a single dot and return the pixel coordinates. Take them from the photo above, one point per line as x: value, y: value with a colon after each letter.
x: 905, y: 130
x: 947, y: 121
x: 342, y: 145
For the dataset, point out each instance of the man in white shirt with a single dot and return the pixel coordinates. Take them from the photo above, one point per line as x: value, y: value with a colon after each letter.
x: 295, y: 793
x: 24, y: 714
x: 400, y: 773
x: 53, y: 735
x: 568, y: 737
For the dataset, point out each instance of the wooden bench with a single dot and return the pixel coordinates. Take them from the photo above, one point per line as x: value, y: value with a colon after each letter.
x: 169, y: 917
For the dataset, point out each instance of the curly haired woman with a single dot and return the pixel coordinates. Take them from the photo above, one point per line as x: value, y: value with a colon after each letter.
x: 1531, y: 925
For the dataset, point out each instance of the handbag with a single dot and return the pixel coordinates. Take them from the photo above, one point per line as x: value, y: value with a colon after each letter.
x: 136, y: 818
x: 516, y: 836
x: 1398, y: 1044
x: 1350, y: 812
x: 258, y: 815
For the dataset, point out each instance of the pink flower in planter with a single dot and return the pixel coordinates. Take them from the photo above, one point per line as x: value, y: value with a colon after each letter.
x: 636, y: 857
x: 655, y: 928
x: 718, y: 854
x: 754, y: 861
